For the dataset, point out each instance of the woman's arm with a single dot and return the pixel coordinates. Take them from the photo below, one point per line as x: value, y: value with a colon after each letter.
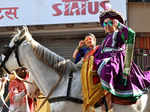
x: 76, y: 51
x: 126, y: 33
x: 128, y: 37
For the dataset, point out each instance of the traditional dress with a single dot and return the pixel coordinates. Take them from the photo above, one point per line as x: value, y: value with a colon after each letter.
x: 111, y: 66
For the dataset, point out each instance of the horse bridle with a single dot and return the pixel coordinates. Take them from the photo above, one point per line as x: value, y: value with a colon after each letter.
x: 7, y: 55
x: 9, y: 52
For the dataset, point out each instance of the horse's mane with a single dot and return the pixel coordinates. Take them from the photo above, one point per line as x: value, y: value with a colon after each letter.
x: 48, y: 57
x: 58, y: 63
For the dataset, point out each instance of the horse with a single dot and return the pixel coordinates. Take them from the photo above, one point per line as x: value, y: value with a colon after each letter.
x: 52, y: 74
x: 45, y: 75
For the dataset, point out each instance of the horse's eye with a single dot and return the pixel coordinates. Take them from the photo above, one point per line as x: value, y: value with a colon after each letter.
x: 15, y: 41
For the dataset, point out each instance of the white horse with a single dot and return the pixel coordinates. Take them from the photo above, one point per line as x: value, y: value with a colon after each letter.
x: 51, y: 74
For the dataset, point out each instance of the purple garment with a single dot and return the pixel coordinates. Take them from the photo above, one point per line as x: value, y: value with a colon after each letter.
x: 110, y: 65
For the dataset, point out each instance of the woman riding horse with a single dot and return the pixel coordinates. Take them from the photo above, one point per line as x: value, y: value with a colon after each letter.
x: 114, y: 58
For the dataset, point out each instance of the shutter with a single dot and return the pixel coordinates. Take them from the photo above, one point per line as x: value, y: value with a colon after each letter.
x: 142, y: 52
x: 142, y: 43
x: 3, y: 42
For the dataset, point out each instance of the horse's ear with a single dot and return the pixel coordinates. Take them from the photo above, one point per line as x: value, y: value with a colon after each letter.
x: 17, y: 30
x: 25, y: 28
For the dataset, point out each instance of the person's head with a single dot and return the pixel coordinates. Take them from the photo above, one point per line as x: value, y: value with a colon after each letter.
x: 107, y: 19
x: 108, y: 16
x: 22, y: 72
x: 90, y: 40
x: 109, y: 25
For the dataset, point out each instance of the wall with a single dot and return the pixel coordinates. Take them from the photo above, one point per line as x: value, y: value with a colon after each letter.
x: 139, y: 16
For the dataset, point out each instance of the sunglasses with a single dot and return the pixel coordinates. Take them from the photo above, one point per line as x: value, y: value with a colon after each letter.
x: 110, y: 23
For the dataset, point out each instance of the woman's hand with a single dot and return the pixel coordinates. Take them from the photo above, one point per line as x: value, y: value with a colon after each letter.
x: 81, y: 43
x: 115, y: 23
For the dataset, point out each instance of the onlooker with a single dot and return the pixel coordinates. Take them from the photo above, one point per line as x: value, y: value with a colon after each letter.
x: 19, y: 101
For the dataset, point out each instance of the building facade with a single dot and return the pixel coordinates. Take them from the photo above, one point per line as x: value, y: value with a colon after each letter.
x: 138, y: 17
x: 63, y: 38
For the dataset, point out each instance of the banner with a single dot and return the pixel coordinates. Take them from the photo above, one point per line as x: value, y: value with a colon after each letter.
x: 40, y: 12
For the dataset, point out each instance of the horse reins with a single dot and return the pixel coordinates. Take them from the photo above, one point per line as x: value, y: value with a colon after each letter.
x: 11, y: 49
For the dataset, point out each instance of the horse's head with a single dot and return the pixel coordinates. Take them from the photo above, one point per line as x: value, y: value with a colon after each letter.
x: 20, y: 35
x: 12, y: 49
